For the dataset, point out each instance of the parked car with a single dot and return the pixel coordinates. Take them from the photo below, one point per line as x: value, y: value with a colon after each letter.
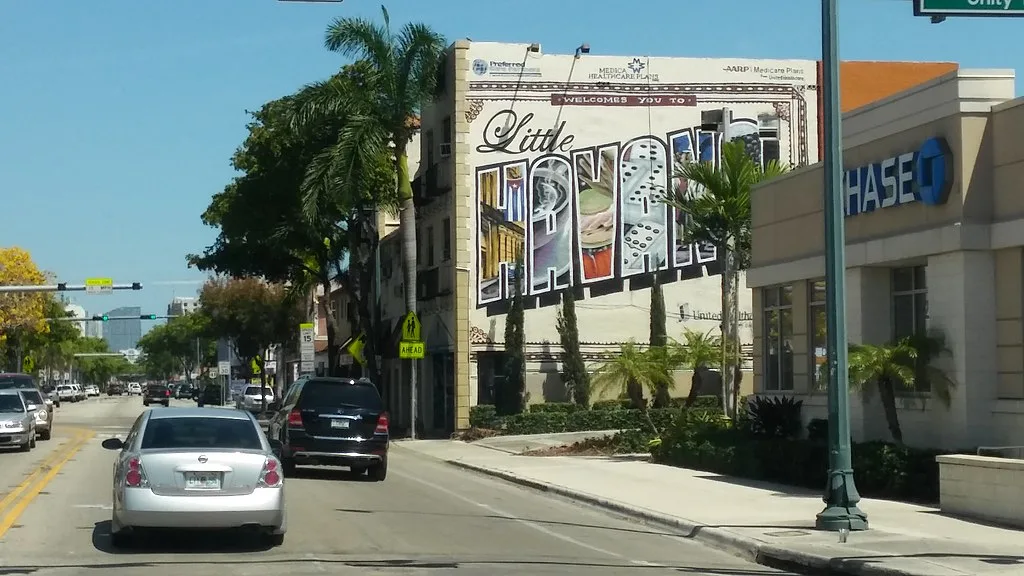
x: 183, y: 392
x: 157, y: 394
x: 9, y: 381
x: 17, y: 423
x: 210, y: 394
x: 79, y: 392
x: 50, y: 396
x: 92, y: 391
x: 252, y: 400
x: 35, y: 403
x: 196, y: 468
x: 332, y: 421
x: 66, y: 393
x: 115, y: 389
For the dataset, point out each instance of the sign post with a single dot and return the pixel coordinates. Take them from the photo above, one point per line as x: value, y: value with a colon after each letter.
x: 984, y: 8
x: 412, y: 348
x: 103, y: 286
x: 306, y: 349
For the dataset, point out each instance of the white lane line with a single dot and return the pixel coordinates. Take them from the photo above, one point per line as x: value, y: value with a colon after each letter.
x: 94, y: 506
x: 542, y: 529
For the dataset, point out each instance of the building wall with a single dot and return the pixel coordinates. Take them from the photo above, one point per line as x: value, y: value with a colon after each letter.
x: 123, y: 334
x: 966, y: 250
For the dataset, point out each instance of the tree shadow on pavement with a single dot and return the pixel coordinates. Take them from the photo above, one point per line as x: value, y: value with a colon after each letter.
x: 179, y: 542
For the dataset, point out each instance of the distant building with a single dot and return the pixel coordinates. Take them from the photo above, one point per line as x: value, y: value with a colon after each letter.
x: 182, y: 305
x: 76, y: 311
x: 123, y: 334
x: 92, y: 328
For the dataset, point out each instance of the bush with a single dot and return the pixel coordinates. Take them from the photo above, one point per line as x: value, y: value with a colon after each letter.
x: 484, y: 416
x: 583, y: 420
x: 562, y: 407
x: 702, y: 403
x: 881, y: 470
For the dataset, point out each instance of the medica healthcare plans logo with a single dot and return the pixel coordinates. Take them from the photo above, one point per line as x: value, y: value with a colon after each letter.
x: 923, y: 176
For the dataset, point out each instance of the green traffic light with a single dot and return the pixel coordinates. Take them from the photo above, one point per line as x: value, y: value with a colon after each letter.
x: 148, y: 316
x: 105, y: 317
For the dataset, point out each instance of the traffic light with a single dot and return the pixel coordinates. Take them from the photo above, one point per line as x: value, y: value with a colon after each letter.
x: 148, y: 317
x: 103, y: 318
x: 136, y: 285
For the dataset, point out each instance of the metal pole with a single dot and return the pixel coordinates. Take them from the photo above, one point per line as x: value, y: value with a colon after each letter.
x: 62, y: 287
x: 841, y: 497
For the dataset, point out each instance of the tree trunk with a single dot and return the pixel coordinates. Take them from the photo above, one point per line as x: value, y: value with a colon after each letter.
x: 635, y: 392
x: 734, y: 298
x: 696, y: 383
x: 728, y: 325
x: 407, y: 219
x: 262, y: 363
x: 332, y: 326
x: 887, y: 394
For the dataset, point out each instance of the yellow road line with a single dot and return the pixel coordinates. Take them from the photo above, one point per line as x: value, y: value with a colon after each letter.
x: 11, y: 517
x: 46, y: 464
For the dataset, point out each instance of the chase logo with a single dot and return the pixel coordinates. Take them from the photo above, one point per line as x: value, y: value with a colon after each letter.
x: 480, y: 67
x: 924, y: 176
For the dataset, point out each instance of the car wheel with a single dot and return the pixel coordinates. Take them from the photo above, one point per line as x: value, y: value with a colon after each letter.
x: 32, y: 442
x: 26, y: 446
x: 145, y: 403
x: 378, y: 472
x: 167, y: 404
x: 45, y: 435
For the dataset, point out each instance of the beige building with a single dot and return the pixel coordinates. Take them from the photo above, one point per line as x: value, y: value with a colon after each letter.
x: 934, y: 200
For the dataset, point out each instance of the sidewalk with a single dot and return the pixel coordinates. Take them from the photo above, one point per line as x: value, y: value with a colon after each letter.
x: 769, y: 524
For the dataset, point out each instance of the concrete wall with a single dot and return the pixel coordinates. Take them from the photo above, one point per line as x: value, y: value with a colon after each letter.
x: 982, y: 487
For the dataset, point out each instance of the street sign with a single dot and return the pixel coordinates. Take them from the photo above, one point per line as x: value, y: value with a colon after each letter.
x: 305, y: 367
x: 410, y: 350
x: 224, y: 368
x: 969, y: 8
x: 255, y: 365
x: 355, y: 348
x: 99, y: 285
x: 306, y: 344
x: 214, y: 372
x: 411, y: 327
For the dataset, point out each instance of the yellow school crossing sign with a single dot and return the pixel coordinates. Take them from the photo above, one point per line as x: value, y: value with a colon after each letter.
x: 355, y: 348
x: 411, y: 347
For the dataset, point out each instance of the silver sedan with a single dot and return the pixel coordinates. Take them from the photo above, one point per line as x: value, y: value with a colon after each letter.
x: 197, y: 468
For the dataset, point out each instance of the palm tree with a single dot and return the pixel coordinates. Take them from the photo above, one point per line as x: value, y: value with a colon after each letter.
x: 716, y: 204
x: 697, y: 351
x: 903, y: 363
x: 398, y: 73
x: 630, y: 372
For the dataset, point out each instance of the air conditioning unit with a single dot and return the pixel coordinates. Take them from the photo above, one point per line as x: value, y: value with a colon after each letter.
x: 446, y: 149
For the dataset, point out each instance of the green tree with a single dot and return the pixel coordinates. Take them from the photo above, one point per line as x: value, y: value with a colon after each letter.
x: 98, y: 370
x: 659, y: 338
x: 902, y: 364
x: 186, y: 340
x: 49, y: 347
x: 264, y: 230
x: 697, y: 352
x: 253, y: 314
x: 574, y: 370
x: 399, y: 74
x: 511, y: 393
x: 159, y: 365
x: 716, y: 204
x: 632, y: 370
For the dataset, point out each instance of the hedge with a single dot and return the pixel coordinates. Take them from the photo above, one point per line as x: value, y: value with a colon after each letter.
x: 881, y: 470
x: 555, y: 418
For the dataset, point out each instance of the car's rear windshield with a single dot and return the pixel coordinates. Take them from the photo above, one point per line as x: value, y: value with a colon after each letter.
x: 32, y: 396
x: 319, y: 393
x: 200, y: 433
x: 11, y: 403
x: 16, y: 381
x: 253, y: 391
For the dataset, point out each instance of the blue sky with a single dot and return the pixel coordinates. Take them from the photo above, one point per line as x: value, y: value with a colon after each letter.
x: 119, y: 116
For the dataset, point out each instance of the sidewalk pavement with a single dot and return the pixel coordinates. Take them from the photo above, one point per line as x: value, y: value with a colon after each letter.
x: 766, y: 523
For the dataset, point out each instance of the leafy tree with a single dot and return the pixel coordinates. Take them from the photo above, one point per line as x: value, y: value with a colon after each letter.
x: 19, y: 311
x: 574, y: 370
x: 900, y: 364
x: 159, y: 365
x: 98, y: 370
x: 181, y: 339
x: 50, y: 349
x: 716, y: 205
x: 659, y: 338
x: 399, y: 74
x: 253, y: 314
x: 697, y: 352
x: 631, y: 371
x: 511, y: 394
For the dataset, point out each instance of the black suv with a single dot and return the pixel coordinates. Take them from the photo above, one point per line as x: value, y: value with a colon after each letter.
x: 156, y: 394
x: 332, y: 422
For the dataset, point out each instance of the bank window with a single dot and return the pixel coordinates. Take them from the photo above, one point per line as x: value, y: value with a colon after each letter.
x: 910, y: 309
x: 818, y: 335
x: 778, y: 338
x: 446, y: 240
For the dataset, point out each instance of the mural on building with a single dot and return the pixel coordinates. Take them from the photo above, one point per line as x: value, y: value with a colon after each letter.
x: 578, y: 199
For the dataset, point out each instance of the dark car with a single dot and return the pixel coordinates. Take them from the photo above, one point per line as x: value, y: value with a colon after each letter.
x: 114, y: 390
x: 183, y: 392
x: 210, y: 394
x: 332, y: 422
x: 156, y: 394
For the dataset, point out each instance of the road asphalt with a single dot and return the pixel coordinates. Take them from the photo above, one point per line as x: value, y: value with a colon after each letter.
x: 426, y: 518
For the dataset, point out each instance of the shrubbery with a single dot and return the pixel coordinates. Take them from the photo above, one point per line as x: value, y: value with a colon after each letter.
x: 554, y: 417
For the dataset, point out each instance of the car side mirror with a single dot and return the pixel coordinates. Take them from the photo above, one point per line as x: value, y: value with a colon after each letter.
x: 31, y: 407
x: 113, y: 444
x: 276, y: 447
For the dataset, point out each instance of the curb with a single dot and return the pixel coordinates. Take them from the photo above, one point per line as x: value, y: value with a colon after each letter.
x: 750, y: 549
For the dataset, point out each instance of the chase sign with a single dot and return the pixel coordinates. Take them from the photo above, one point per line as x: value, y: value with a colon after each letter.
x: 923, y: 176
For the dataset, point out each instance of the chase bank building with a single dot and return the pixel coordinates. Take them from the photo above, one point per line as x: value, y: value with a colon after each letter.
x: 934, y: 203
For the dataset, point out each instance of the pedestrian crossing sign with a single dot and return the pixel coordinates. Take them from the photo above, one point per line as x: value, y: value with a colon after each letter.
x: 411, y: 328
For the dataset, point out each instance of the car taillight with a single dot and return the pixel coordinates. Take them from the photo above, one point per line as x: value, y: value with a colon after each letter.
x: 271, y: 475
x: 382, y: 424
x: 136, y: 476
x: 168, y: 393
x: 295, y: 419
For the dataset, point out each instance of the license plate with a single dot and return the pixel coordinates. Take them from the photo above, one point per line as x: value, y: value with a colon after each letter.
x: 202, y: 481
x: 343, y: 424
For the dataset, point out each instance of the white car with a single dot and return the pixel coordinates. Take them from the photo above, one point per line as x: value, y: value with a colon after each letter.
x: 92, y: 391
x: 134, y: 388
x: 66, y: 393
x: 251, y: 400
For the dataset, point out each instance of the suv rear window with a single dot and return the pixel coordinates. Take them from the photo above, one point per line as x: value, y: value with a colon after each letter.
x: 16, y: 381
x: 321, y: 393
x: 201, y: 433
x: 253, y: 391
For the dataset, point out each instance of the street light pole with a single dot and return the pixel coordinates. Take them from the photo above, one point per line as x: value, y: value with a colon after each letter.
x: 841, y: 497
